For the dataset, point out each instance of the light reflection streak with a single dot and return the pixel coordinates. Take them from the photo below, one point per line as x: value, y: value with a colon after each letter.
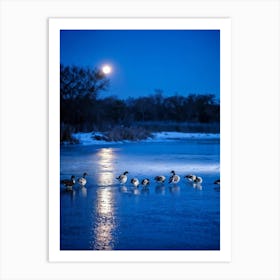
x: 106, y: 167
x: 105, y: 224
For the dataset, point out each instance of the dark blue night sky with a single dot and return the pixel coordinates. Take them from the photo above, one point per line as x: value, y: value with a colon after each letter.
x: 175, y: 61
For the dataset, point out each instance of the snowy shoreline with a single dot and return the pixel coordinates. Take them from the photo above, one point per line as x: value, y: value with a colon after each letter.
x: 87, y: 138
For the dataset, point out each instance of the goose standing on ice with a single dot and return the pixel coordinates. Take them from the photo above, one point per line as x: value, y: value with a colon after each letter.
x: 160, y: 179
x: 198, y: 180
x: 69, y: 183
x: 190, y: 178
x: 135, y: 182
x: 122, y: 178
x: 82, y: 181
x: 197, y: 183
x: 174, y: 179
x: 145, y: 182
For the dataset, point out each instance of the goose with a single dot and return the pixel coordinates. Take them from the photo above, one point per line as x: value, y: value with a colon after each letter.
x: 122, y: 178
x: 69, y: 183
x: 160, y: 179
x: 190, y: 177
x: 145, y: 182
x: 135, y: 182
x: 217, y: 182
x: 174, y: 179
x: 198, y: 180
x: 82, y: 181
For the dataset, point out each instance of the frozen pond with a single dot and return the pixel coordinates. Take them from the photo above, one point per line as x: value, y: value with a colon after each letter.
x: 105, y: 216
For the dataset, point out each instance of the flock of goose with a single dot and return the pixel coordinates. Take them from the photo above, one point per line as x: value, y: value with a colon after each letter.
x: 69, y: 183
x: 160, y: 179
x: 122, y: 178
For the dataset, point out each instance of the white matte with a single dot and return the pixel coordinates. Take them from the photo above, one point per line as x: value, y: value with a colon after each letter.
x: 255, y: 139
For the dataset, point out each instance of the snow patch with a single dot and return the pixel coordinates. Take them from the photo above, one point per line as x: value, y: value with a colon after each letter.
x: 162, y: 136
x: 88, y: 138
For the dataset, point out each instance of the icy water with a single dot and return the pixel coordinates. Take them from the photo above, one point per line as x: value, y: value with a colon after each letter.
x: 106, y: 216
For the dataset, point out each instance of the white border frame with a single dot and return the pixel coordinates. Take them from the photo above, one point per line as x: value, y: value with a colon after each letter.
x: 57, y: 24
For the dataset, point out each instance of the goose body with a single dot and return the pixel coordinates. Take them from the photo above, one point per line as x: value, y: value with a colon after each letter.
x: 174, y: 179
x: 135, y: 182
x: 69, y: 183
x: 198, y: 180
x: 82, y: 181
x: 160, y: 179
x: 217, y: 182
x: 190, y: 177
x: 145, y: 182
x: 122, y: 178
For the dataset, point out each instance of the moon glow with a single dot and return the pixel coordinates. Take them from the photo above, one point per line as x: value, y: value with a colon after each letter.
x: 106, y: 69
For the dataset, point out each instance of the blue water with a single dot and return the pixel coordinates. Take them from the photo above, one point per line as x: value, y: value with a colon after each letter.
x: 106, y: 216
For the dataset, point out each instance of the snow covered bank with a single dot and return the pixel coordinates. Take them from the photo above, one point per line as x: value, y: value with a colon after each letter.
x: 90, y: 138
x: 171, y: 136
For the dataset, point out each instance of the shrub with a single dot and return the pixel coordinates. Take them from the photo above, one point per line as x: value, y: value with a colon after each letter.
x: 120, y: 133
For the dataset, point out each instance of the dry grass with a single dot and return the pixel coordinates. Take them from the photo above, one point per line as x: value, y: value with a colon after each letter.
x: 120, y: 133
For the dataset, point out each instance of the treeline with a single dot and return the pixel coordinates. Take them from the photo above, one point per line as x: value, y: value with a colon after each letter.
x: 82, y: 108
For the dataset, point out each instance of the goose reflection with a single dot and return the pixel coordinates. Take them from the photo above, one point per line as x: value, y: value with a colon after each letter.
x: 174, y: 189
x: 123, y: 189
x: 198, y: 187
x: 71, y: 194
x: 83, y: 192
x: 160, y: 189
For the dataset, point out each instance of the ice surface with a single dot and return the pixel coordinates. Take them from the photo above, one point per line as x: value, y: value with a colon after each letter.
x: 107, y: 216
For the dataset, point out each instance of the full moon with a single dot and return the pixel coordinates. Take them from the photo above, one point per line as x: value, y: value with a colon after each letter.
x: 106, y: 69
